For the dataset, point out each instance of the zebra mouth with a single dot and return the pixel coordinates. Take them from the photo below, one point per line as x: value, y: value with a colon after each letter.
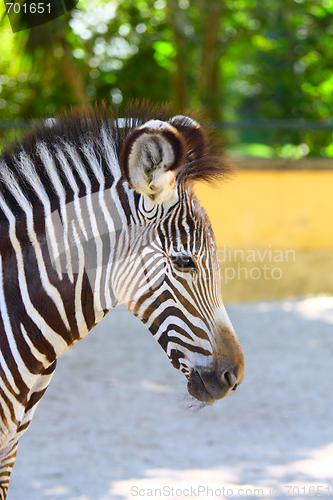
x: 197, y: 388
x: 206, y: 386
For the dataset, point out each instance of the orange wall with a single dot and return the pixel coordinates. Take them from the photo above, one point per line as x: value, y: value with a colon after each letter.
x: 285, y: 209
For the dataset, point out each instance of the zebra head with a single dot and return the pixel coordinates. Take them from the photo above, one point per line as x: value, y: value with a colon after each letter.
x: 175, y: 290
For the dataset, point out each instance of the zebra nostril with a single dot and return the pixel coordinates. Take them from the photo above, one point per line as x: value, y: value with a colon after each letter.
x: 229, y: 378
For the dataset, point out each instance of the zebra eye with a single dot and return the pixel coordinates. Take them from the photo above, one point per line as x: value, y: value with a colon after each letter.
x: 183, y: 262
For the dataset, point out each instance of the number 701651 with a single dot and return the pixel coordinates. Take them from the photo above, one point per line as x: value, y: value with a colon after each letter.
x: 33, y: 8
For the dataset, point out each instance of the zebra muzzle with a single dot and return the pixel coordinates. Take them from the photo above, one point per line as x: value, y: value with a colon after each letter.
x: 209, y: 385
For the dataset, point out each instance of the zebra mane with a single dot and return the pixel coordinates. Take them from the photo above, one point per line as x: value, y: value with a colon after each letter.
x: 81, y: 126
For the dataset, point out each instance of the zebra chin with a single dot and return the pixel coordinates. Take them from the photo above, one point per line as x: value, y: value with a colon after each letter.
x: 208, y: 385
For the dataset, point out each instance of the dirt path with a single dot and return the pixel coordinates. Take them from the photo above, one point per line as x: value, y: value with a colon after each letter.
x: 114, y: 423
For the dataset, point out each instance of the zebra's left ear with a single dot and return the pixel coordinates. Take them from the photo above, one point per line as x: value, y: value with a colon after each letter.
x: 151, y: 157
x: 194, y: 137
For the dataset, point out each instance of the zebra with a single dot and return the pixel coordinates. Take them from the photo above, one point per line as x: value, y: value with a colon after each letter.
x: 97, y: 210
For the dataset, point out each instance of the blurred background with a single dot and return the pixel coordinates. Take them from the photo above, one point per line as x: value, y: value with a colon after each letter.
x: 261, y: 71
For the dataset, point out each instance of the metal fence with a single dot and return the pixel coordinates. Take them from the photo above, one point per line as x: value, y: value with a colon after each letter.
x: 277, y: 124
x: 255, y: 123
x: 249, y: 130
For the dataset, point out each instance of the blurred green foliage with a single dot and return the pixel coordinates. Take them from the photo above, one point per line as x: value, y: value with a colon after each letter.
x: 269, y: 59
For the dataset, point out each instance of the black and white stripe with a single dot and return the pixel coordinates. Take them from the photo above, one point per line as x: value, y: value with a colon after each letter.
x: 95, y: 211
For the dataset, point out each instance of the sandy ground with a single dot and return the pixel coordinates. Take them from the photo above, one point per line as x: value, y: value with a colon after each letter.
x: 115, y: 423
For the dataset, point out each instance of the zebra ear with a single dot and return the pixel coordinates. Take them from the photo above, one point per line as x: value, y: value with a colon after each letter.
x: 194, y: 136
x: 151, y: 157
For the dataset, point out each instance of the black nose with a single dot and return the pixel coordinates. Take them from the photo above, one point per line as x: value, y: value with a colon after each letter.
x: 216, y: 383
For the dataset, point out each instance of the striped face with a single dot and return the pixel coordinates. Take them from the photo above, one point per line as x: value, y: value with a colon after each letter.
x: 176, y: 288
x: 175, y: 291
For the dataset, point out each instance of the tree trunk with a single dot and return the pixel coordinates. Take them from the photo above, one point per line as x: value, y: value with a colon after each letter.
x: 210, y: 84
x: 73, y: 76
x: 177, y: 20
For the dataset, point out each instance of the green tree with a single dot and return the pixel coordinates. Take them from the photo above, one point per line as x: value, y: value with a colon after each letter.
x: 234, y: 59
